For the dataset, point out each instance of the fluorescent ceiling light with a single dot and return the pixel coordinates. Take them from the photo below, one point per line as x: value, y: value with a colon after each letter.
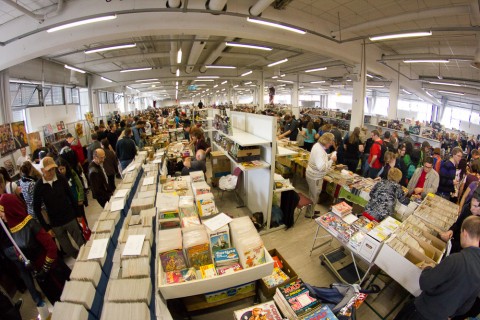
x: 147, y: 83
x: 82, y: 22
x: 246, y: 73
x: 282, y: 75
x: 278, y: 62
x: 401, y: 35
x: 407, y: 92
x: 215, y: 86
x: 316, y: 69
x: 375, y: 86
x: 224, y: 82
x: 178, y: 72
x: 208, y: 77
x: 249, y: 46
x: 235, y: 86
x: 121, y: 46
x: 137, y: 69
x: 146, y: 80
x: 428, y: 93
x: 203, y: 80
x: 452, y: 92
x: 220, y: 67
x: 426, y: 61
x: 74, y: 69
x: 179, y: 55
x: 369, y: 75
x: 130, y: 88
x: 322, y: 81
x: 336, y: 86
x: 249, y: 82
x: 105, y: 79
x: 276, y: 25
x: 445, y: 83
x: 274, y: 77
x: 286, y: 81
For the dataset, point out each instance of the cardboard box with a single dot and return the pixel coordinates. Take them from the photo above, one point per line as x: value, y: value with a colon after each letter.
x: 281, y: 169
x: 191, y: 288
x: 220, y: 162
x: 248, y: 152
x: 229, y: 292
x: 286, y: 161
x: 269, y: 292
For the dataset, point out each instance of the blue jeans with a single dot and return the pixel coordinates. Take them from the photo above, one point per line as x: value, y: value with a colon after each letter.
x: 372, y: 172
x: 24, y: 274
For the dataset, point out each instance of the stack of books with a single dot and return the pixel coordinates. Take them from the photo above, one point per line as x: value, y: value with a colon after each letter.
x: 264, y: 311
x: 342, y: 209
x: 276, y: 278
x: 227, y: 261
x: 295, y: 300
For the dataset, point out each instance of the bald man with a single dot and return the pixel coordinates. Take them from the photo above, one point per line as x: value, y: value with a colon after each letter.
x: 199, y: 164
x: 101, y: 190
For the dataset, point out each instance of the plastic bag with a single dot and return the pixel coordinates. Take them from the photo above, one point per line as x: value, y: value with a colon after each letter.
x: 228, y: 182
x: 85, y: 229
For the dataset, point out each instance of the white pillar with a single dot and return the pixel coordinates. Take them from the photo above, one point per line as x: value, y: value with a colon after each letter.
x: 261, y: 92
x: 294, y: 95
x: 358, y: 97
x: 393, y: 105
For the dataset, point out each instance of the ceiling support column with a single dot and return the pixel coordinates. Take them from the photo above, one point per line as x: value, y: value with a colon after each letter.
x: 294, y: 95
x: 393, y: 105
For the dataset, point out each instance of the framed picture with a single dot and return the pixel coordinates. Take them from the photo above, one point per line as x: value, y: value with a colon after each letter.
x: 7, y: 145
x: 19, y: 134
x: 34, y: 141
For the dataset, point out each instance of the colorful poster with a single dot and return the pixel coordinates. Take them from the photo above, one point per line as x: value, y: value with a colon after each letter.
x: 47, y: 130
x: 34, y: 141
x: 8, y: 165
x: 7, y: 145
x: 19, y: 134
x: 79, y: 129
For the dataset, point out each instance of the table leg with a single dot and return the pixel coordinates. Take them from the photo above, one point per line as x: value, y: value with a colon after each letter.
x: 317, y: 237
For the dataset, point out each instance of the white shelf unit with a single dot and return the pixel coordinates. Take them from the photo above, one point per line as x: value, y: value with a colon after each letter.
x: 252, y: 130
x: 434, y: 143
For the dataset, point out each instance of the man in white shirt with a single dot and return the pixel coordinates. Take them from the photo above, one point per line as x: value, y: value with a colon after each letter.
x: 24, y: 157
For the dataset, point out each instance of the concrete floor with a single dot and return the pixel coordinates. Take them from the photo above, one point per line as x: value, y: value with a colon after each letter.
x: 294, y: 245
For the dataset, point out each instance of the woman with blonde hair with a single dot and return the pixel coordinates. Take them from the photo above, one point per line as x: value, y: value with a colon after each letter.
x: 384, y: 196
x: 318, y: 166
x: 390, y: 161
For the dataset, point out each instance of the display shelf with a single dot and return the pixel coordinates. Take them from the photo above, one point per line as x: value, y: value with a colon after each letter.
x: 239, y: 164
x: 283, y: 152
x: 244, y: 139
x: 400, y: 131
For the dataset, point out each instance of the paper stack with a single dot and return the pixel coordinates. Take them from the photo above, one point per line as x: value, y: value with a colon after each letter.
x: 145, y: 252
x: 197, y: 176
x: 295, y: 300
x: 139, y: 204
x: 200, y: 187
x: 136, y: 268
x: 342, y: 209
x: 67, y: 310
x: 129, y: 290
x: 109, y: 215
x: 266, y: 310
x: 79, y: 292
x: 84, y: 251
x: 167, y: 202
x: 197, y: 246
x: 86, y: 271
x: 170, y: 251
x: 206, y: 205
x: 104, y: 226
x: 125, y: 311
x: 248, y: 242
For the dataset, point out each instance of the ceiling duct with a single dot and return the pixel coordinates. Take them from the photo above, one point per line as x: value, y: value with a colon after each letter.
x: 40, y: 17
x: 213, y: 56
x: 216, y: 5
x: 173, y: 54
x: 476, y: 58
x: 259, y: 7
x: 281, y: 4
x: 174, y: 3
x: 195, y: 52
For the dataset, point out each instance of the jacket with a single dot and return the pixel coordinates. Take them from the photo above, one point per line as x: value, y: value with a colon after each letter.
x: 126, y: 149
x: 98, y: 182
x: 91, y: 148
x: 450, y: 288
x: 59, y: 202
x: 383, y: 198
x: 447, y: 175
x: 111, y: 162
x: 431, y: 182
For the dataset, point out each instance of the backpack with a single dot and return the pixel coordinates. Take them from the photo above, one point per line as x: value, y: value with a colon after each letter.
x: 411, y: 170
x: 383, y: 149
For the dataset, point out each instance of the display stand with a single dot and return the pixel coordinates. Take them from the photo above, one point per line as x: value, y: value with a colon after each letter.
x: 255, y: 130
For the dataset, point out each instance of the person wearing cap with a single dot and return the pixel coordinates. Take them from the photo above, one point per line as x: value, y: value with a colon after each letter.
x: 424, y: 153
x: 101, y: 191
x: 62, y: 210
x: 437, y: 159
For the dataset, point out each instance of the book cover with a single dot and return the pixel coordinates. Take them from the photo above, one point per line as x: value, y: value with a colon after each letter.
x: 206, y: 207
x: 226, y: 256
x: 276, y: 278
x: 190, y: 221
x: 263, y: 311
x: 169, y: 223
x: 254, y: 257
x: 277, y: 263
x: 179, y: 276
x: 173, y: 260
x: 323, y: 313
x: 298, y: 297
x: 208, y: 271
x: 221, y: 241
x: 229, y: 269
x: 199, y: 255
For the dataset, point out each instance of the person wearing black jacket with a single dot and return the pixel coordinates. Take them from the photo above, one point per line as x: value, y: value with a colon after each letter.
x: 448, y: 170
x: 62, y: 210
x: 101, y: 191
x: 126, y: 149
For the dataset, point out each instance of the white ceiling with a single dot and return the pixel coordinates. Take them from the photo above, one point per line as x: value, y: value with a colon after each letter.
x: 454, y: 36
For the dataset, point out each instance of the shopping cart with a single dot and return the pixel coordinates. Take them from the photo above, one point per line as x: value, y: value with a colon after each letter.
x: 343, y: 299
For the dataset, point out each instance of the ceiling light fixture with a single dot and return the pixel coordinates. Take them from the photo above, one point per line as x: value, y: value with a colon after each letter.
x: 249, y: 46
x: 274, y: 77
x: 224, y: 82
x: 147, y: 83
x: 179, y: 55
x: 407, y: 92
x: 146, y: 80
x: 82, y: 22
x: 178, y: 72
x: 276, y: 25
x: 121, y: 46
x: 246, y: 73
x: 316, y: 69
x: 401, y: 35
x: 249, y: 82
x: 130, y: 88
x: 278, y: 62
x: 215, y: 86
x: 375, y: 86
x: 282, y: 75
x: 426, y: 61
x: 369, y: 75
x: 286, y: 81
x: 235, y: 86
x: 208, y: 77
x: 105, y: 79
x: 74, y: 69
x: 445, y: 83
x: 428, y: 93
x: 322, y: 81
x: 137, y: 69
x: 220, y: 67
x: 209, y: 80
x: 452, y: 92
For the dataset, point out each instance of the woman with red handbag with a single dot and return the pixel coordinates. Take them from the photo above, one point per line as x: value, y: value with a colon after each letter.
x: 35, y: 244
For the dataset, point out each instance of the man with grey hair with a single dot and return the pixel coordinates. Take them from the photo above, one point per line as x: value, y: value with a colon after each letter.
x: 199, y: 164
x: 101, y: 190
